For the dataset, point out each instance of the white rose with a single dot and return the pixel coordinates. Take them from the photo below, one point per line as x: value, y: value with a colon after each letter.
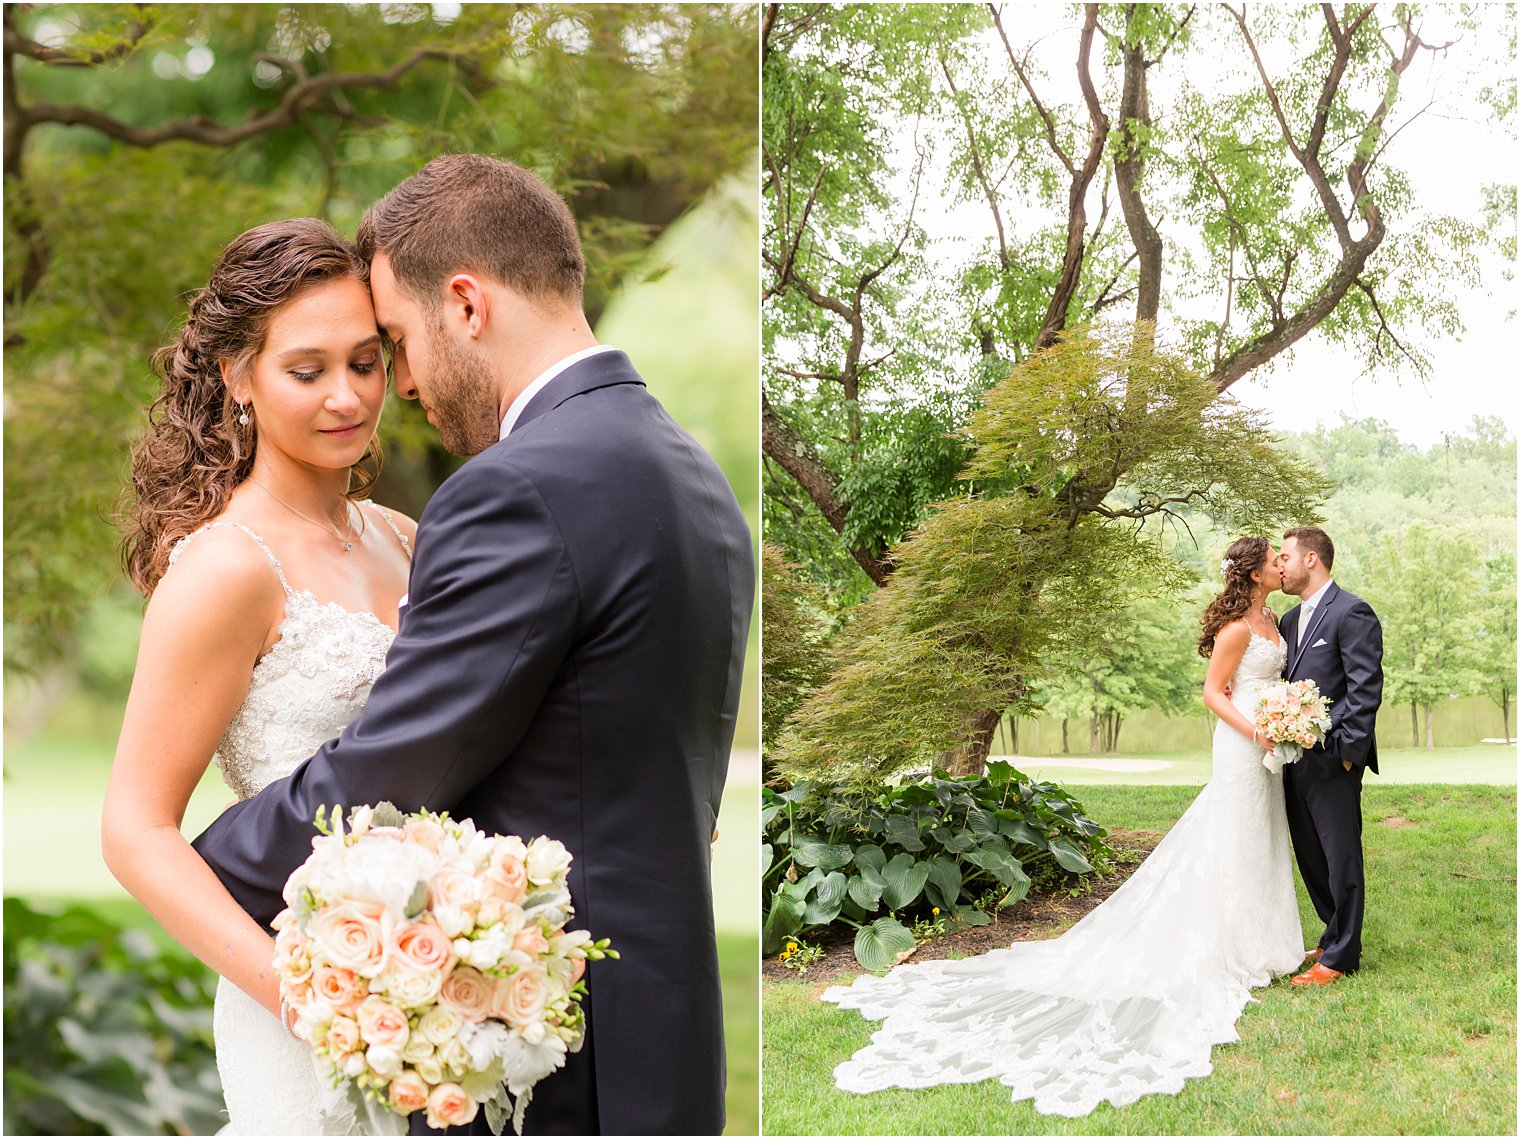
x: 385, y: 1061
x: 354, y: 1064
x: 547, y: 860
x: 452, y: 920
x: 440, y: 1025
x: 430, y: 1070
x: 417, y: 1047
x: 410, y: 989
x: 456, y: 1057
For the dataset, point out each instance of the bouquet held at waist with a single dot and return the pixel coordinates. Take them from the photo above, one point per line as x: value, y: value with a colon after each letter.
x: 1291, y: 716
x: 429, y: 966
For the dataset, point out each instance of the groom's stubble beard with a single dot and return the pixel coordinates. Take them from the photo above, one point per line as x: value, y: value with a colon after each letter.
x: 462, y: 396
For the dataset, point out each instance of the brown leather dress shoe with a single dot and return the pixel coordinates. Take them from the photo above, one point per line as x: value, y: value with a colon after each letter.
x: 1314, y: 954
x: 1318, y: 975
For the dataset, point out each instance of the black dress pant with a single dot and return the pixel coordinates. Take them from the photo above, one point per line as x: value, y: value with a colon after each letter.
x: 1324, y: 803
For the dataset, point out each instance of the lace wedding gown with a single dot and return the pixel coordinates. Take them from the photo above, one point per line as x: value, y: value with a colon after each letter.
x: 1131, y: 999
x: 303, y: 693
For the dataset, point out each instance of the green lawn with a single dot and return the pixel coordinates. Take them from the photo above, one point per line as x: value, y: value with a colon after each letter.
x: 1476, y: 763
x: 1421, y: 1041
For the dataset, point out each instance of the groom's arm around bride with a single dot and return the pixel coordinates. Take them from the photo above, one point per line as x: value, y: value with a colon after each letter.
x: 569, y: 663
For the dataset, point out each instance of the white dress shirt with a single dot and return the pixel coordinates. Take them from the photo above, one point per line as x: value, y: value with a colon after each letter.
x: 524, y: 396
x: 1310, y: 603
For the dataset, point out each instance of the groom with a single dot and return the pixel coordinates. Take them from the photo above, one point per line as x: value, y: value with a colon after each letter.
x: 569, y: 660
x: 1334, y: 639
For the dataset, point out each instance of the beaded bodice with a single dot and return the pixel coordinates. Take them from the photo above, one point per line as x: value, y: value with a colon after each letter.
x: 307, y: 687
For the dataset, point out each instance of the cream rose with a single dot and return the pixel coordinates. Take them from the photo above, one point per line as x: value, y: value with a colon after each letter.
x: 455, y: 1057
x: 546, y: 860
x: 409, y: 988
x: 417, y: 1047
x: 408, y: 1093
x: 430, y: 1070
x: 521, y: 998
x: 440, y: 1024
x: 385, y: 1062
x: 468, y: 993
x: 449, y: 1105
x: 425, y: 833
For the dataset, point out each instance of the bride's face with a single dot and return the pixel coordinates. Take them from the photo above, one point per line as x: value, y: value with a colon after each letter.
x: 318, y: 383
x: 1271, y: 572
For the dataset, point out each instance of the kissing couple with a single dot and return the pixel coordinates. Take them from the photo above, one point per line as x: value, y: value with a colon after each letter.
x: 1132, y: 999
x: 554, y: 647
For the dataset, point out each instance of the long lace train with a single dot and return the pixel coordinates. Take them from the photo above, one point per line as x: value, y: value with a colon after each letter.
x: 1131, y: 1000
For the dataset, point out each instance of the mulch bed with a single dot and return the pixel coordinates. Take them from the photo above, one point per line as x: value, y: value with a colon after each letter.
x: 1036, y: 917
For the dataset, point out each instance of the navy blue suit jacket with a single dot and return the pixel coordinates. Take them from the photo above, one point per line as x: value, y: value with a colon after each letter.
x: 1342, y: 652
x: 569, y: 665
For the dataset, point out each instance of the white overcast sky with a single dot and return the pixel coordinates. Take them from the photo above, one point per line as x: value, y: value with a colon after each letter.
x: 1449, y: 152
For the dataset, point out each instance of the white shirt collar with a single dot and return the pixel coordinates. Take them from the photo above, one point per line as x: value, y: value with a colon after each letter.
x: 1313, y: 600
x: 538, y: 385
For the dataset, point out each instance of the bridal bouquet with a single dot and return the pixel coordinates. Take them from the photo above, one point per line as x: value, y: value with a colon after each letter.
x: 429, y: 965
x: 1291, y: 715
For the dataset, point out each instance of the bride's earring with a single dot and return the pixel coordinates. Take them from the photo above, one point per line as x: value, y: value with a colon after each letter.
x: 243, y: 418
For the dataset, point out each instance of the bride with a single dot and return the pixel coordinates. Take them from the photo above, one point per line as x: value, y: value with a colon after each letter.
x: 273, y: 594
x: 1131, y: 999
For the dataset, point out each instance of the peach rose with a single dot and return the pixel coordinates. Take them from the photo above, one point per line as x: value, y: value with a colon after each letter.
x: 291, y: 956
x: 425, y: 833
x: 507, y: 877
x: 408, y: 1093
x: 449, y: 1105
x: 468, y: 993
x: 453, y: 887
x: 342, y: 1035
x: 520, y: 998
x: 355, y: 935
x: 343, y: 989
x: 530, y: 941
x: 382, y: 1023
x: 422, y: 946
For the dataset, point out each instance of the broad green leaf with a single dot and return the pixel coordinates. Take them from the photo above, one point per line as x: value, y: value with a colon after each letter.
x: 879, y: 945
x: 902, y: 832
x: 828, y: 896
x: 1067, y: 854
x: 866, y: 892
x: 783, y: 920
x: 905, y: 878
x: 824, y: 855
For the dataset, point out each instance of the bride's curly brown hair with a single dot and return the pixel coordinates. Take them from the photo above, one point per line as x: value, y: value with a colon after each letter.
x: 1244, y: 557
x: 194, y: 453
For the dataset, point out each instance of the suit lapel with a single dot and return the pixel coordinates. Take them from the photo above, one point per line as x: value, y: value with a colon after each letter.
x: 1319, y: 619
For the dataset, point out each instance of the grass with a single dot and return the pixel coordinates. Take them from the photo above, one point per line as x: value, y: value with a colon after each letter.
x: 1421, y: 1041
x: 1475, y: 763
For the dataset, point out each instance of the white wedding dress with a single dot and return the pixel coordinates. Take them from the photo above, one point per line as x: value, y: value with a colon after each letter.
x: 303, y: 693
x: 1131, y: 1000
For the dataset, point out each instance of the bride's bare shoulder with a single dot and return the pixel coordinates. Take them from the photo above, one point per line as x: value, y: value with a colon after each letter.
x: 222, y: 571
x: 1235, y: 634
x: 401, y: 521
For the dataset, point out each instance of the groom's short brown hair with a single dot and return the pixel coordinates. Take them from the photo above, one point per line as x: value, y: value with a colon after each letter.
x: 472, y: 213
x: 1313, y: 538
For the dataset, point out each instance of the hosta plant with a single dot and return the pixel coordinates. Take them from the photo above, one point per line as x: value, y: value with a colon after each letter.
x: 862, y: 857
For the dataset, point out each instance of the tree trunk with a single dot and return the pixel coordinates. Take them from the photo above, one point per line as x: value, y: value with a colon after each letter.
x: 1065, y: 737
x: 1113, y: 746
x: 1092, y: 732
x: 1430, y: 731
x: 1414, y: 720
x: 1505, y: 705
x: 1013, y: 735
x: 971, y: 757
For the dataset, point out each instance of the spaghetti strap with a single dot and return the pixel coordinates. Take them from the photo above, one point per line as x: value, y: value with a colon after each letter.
x: 233, y: 524
x: 391, y: 522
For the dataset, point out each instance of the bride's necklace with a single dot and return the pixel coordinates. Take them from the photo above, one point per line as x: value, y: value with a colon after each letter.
x: 348, y: 542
